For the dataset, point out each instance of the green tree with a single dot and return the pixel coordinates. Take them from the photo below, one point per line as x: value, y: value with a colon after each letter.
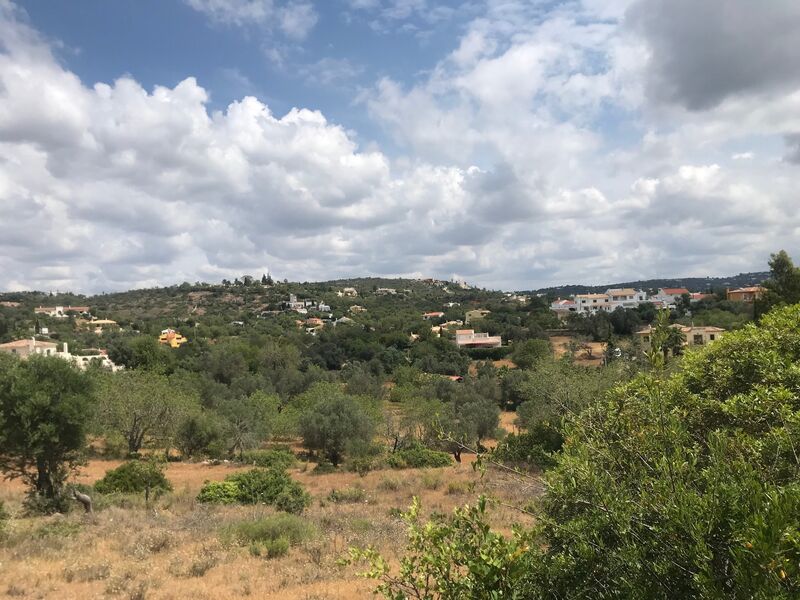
x: 45, y: 406
x: 248, y: 420
x: 141, y: 405
x: 783, y: 285
x: 334, y: 423
x: 527, y: 354
x: 198, y: 433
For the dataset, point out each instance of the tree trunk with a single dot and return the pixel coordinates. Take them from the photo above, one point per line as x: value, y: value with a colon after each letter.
x: 44, y: 479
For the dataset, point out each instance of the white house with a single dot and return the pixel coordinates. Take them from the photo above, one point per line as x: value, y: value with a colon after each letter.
x: 625, y: 297
x: 592, y: 303
x: 669, y: 296
x: 467, y: 338
x: 60, y: 312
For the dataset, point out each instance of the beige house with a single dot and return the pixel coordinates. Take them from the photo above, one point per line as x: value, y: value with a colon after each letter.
x: 467, y: 338
x: 26, y: 348
x: 98, y: 325
x: 694, y: 335
x: 60, y: 312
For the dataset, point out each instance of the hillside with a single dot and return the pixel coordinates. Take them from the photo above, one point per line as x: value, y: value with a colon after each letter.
x: 693, y: 284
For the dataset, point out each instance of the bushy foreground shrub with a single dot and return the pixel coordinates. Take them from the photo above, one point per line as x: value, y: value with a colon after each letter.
x: 134, y: 477
x: 418, y: 457
x: 673, y: 486
x: 258, y: 486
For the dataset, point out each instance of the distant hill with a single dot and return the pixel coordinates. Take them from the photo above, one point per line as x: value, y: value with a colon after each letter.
x: 693, y: 284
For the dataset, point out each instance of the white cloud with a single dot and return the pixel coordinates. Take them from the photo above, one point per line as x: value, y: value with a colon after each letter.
x: 295, y: 19
x: 234, y: 12
x: 529, y: 155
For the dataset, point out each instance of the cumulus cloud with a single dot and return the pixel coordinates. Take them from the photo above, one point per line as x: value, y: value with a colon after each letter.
x: 529, y: 155
x: 704, y: 52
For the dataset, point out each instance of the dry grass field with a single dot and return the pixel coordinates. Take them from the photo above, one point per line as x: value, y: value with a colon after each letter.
x: 174, y: 548
x: 560, y: 344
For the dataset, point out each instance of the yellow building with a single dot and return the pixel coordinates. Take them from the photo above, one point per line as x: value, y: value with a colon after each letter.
x: 171, y: 338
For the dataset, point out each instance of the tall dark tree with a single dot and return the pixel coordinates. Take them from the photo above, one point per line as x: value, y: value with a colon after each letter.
x: 783, y: 285
x: 45, y: 406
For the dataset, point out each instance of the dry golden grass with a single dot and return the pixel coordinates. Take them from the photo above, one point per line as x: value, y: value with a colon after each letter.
x: 173, y: 549
x: 560, y: 344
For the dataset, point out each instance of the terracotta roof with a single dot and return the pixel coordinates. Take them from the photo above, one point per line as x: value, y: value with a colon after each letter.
x: 675, y: 291
x: 752, y: 290
x: 591, y: 296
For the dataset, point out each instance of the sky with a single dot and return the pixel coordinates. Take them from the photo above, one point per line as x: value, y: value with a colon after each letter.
x: 512, y: 144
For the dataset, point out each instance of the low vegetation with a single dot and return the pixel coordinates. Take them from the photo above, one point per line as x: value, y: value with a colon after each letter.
x: 134, y: 477
x: 257, y: 486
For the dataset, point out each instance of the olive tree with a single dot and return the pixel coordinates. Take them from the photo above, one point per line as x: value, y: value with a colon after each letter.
x: 334, y: 423
x: 45, y: 407
x: 141, y: 405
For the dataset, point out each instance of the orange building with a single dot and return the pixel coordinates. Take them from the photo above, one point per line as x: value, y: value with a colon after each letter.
x: 746, y: 294
x: 171, y: 338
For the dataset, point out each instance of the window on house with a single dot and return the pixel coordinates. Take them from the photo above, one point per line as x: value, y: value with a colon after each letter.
x: 646, y: 338
x: 711, y: 337
x: 698, y: 340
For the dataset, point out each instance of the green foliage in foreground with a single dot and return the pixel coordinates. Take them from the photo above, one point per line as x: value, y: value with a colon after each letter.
x: 257, y: 486
x: 134, y: 477
x: 682, y: 486
x: 488, y: 564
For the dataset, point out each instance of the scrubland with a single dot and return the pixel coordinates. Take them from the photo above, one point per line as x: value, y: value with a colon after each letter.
x: 175, y: 547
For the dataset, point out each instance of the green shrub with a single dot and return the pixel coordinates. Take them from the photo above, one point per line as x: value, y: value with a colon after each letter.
x: 257, y: 486
x: 418, y: 457
x: 349, y: 495
x: 293, y: 499
x: 219, y: 492
x: 291, y: 528
x: 488, y: 353
x: 271, y: 548
x: 133, y: 477
x: 526, y: 448
x: 324, y: 468
x: 269, y: 459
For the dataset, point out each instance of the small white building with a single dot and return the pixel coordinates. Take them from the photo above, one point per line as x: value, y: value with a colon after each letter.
x: 467, y: 338
x: 669, y: 296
